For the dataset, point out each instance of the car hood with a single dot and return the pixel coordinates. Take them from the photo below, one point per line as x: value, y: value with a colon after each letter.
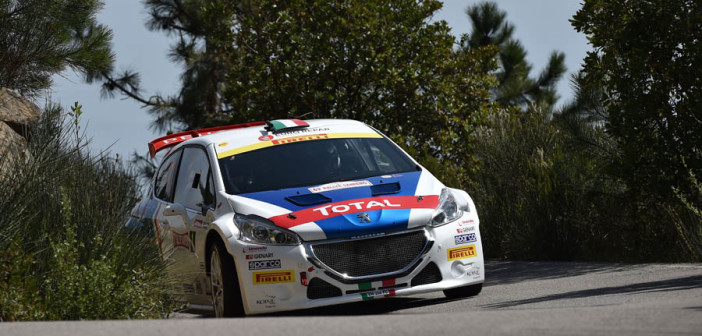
x: 368, y: 206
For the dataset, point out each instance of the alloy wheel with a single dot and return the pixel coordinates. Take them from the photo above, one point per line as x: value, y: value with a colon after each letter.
x: 216, y: 280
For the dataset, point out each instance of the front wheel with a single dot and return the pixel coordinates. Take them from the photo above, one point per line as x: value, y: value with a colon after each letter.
x: 226, y: 297
x: 463, y: 292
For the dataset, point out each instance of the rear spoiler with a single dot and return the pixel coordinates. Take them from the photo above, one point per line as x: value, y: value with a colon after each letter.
x: 176, y: 138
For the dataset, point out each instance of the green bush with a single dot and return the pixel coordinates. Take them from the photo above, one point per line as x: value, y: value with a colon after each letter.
x: 547, y: 189
x: 687, y: 217
x: 64, y: 251
x: 530, y: 190
x: 77, y: 290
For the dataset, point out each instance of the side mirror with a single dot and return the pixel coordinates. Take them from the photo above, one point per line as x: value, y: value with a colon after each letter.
x: 204, y: 208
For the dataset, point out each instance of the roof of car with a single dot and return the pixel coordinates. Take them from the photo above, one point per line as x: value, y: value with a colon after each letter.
x: 235, y: 139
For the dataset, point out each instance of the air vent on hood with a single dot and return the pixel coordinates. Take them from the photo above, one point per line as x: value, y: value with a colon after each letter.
x: 385, y: 189
x: 308, y: 199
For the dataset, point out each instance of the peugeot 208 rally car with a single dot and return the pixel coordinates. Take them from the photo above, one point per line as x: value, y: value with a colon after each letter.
x: 290, y: 214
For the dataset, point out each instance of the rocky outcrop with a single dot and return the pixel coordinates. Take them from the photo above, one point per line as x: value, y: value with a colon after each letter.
x: 18, y: 116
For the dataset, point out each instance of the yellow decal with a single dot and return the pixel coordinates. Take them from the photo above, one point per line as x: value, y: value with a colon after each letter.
x: 464, y: 252
x: 223, y: 144
x: 299, y: 138
x: 273, y: 277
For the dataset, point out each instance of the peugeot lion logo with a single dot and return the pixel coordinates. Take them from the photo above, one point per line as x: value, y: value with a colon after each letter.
x: 363, y: 216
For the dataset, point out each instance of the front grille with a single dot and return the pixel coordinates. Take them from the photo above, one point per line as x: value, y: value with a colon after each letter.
x: 430, y: 274
x: 320, y: 289
x: 361, y: 258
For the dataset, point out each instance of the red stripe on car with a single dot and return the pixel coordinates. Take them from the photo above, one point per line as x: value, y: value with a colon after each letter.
x: 332, y: 210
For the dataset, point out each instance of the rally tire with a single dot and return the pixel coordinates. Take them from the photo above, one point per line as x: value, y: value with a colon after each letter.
x: 463, y: 292
x: 226, y: 296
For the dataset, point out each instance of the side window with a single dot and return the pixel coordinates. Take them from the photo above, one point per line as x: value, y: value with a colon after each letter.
x: 195, y: 186
x: 165, y: 178
x: 209, y: 196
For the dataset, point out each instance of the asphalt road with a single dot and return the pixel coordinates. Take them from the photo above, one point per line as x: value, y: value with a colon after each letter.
x: 519, y: 298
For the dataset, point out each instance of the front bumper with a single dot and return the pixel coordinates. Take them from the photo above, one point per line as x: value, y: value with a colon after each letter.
x: 280, y: 278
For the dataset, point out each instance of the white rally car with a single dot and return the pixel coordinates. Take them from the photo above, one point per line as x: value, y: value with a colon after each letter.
x: 289, y: 214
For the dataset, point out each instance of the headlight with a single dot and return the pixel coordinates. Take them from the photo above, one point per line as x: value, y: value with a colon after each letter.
x: 447, y: 211
x: 260, y: 231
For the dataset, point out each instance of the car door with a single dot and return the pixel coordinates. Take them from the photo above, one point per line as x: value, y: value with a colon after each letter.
x: 189, y: 216
x: 162, y: 197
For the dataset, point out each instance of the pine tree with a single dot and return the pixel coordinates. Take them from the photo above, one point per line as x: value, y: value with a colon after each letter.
x: 40, y: 38
x: 515, y: 88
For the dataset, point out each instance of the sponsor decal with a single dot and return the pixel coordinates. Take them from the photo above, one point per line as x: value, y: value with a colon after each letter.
x: 373, y: 294
x: 259, y: 256
x: 355, y: 206
x: 339, y: 185
x: 388, y: 282
x: 464, y: 239
x: 464, y: 252
x: 223, y: 144
x: 299, y: 139
x: 474, y: 272
x: 255, y: 248
x: 351, y: 206
x: 266, y: 137
x: 181, y: 240
x: 274, y: 142
x: 176, y: 139
x: 304, y: 130
x: 273, y: 277
x: 264, y: 264
x: 303, y: 279
x: 466, y: 222
x: 199, y: 224
x: 268, y: 301
x: 265, y: 302
x: 465, y: 229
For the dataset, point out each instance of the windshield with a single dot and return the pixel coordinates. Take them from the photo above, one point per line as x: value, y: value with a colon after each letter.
x: 311, y: 163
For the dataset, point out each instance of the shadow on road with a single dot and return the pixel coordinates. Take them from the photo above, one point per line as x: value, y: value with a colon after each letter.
x: 374, y: 307
x: 690, y: 282
x: 509, y: 272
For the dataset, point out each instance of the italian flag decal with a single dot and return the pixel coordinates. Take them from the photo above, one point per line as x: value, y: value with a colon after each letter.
x: 287, y: 123
x: 377, y: 293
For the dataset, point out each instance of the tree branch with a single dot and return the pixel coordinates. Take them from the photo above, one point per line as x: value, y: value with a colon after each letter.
x: 114, y: 84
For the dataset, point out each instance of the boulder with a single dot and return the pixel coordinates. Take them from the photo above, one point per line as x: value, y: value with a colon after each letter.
x: 18, y: 112
x: 18, y: 116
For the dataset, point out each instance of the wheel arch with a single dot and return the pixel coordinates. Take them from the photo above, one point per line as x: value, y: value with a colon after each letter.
x: 214, y: 237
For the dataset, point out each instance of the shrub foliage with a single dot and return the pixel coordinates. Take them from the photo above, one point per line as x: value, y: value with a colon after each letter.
x: 64, y: 253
